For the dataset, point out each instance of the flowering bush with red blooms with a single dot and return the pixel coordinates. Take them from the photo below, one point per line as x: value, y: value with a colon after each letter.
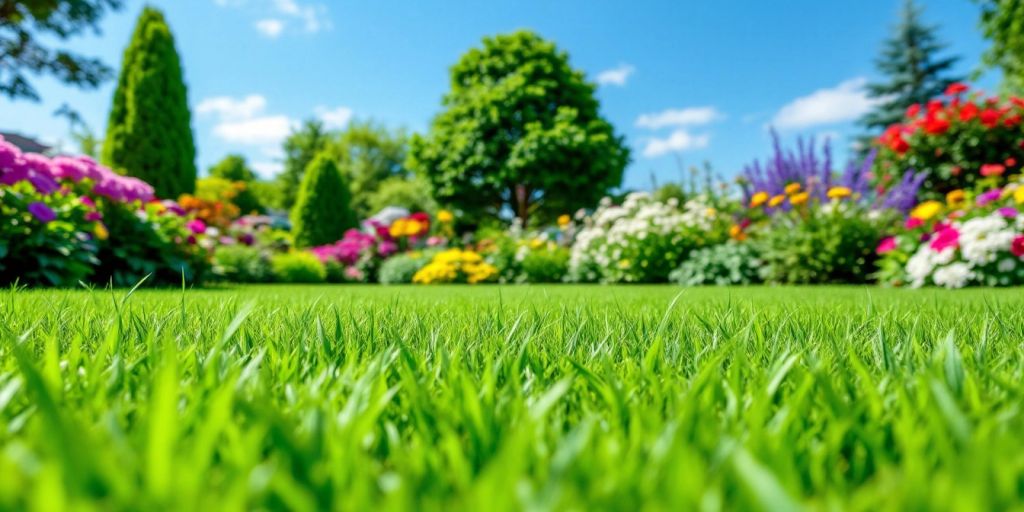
x: 214, y: 213
x: 957, y: 139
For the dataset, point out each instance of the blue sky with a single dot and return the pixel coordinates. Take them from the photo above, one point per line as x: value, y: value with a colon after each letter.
x: 684, y: 81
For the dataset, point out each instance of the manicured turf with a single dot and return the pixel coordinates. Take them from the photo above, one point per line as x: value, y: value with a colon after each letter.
x: 512, y: 398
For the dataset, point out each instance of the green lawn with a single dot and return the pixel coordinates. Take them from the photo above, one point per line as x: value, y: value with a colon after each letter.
x: 493, y: 397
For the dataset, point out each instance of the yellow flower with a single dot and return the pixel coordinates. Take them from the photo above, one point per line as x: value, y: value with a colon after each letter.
x: 792, y: 188
x: 736, y: 233
x: 624, y: 264
x: 1018, y: 195
x: 839, y: 192
x: 564, y: 220
x: 758, y: 199
x: 536, y: 243
x: 955, y: 198
x: 412, y: 227
x: 776, y: 200
x: 445, y: 216
x: 799, y: 198
x: 101, y: 231
x: 926, y: 210
x: 397, y: 228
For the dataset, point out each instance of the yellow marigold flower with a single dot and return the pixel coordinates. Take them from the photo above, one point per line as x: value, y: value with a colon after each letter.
x: 776, y: 200
x: 397, y: 228
x: 736, y: 233
x: 792, y: 188
x: 758, y: 199
x: 564, y: 220
x: 445, y: 216
x: 799, y: 198
x: 926, y: 210
x: 839, y: 192
x: 412, y: 227
x: 101, y: 231
x: 955, y: 198
x: 1018, y: 195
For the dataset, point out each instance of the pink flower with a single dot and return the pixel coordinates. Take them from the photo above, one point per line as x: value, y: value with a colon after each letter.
x: 948, y: 237
x: 1008, y: 212
x: 989, y: 196
x: 913, y: 223
x: 1017, y: 246
x: 888, y: 244
x: 41, y: 212
x: 992, y: 170
x: 196, y: 226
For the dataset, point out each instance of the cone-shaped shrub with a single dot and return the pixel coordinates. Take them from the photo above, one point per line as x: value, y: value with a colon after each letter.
x: 149, y: 133
x: 323, y: 209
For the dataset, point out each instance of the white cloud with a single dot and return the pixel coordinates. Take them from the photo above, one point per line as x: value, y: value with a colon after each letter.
x: 615, y: 76
x: 845, y: 102
x: 334, y: 118
x: 270, y: 27
x: 256, y: 131
x: 679, y: 140
x: 678, y: 117
x: 267, y: 169
x: 228, y: 108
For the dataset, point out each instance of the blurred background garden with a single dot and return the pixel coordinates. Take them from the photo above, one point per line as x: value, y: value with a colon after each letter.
x: 302, y: 141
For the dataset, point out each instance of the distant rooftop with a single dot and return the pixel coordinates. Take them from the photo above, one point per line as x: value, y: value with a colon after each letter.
x: 26, y: 144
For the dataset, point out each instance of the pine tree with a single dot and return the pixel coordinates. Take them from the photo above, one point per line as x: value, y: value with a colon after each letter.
x: 323, y: 209
x: 149, y: 132
x: 914, y: 70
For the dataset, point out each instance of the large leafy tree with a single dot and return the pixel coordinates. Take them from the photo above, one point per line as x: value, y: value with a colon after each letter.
x: 300, y: 148
x: 322, y: 211
x: 913, y: 68
x: 1002, y: 22
x: 369, y: 154
x: 520, y: 129
x: 149, y: 132
x: 26, y: 28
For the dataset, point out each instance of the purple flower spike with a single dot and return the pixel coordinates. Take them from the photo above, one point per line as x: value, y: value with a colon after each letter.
x: 42, y: 212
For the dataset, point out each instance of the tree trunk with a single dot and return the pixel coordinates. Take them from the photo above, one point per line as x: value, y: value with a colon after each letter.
x: 522, y: 203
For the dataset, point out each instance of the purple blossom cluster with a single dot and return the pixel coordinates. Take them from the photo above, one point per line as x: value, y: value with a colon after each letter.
x: 46, y: 174
x: 814, y: 173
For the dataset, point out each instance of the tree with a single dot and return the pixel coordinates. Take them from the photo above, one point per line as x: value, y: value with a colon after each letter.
x: 24, y: 23
x: 301, y: 146
x: 322, y: 212
x: 1002, y: 22
x: 914, y: 70
x: 235, y: 169
x: 520, y: 130
x: 370, y: 154
x: 410, y: 193
x: 149, y: 132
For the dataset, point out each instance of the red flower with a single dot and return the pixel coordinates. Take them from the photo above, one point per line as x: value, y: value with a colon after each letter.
x: 1016, y: 100
x: 893, y: 137
x: 956, y: 88
x: 1010, y: 162
x: 968, y: 112
x: 913, y: 110
x: 934, y: 106
x: 990, y: 117
x: 993, y: 170
x: 1017, y: 246
x: 935, y: 125
x: 1012, y: 121
x: 956, y: 170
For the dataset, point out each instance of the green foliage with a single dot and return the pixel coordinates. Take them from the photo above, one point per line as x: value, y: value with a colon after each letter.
x: 520, y: 129
x: 400, y: 268
x: 149, y: 132
x: 269, y: 194
x: 370, y: 154
x: 242, y: 264
x: 300, y: 148
x: 820, y: 246
x: 25, y: 27
x: 731, y: 263
x: 1002, y: 22
x: 56, y: 253
x: 547, y: 264
x: 547, y: 398
x: 297, y: 267
x: 322, y: 212
x: 411, y: 193
x: 914, y: 70
x: 235, y: 169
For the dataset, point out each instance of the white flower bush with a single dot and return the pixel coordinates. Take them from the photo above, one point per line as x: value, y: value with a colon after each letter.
x: 977, y: 251
x: 641, y: 240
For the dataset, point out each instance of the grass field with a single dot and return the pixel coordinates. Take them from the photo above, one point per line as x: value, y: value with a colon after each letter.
x: 492, y: 398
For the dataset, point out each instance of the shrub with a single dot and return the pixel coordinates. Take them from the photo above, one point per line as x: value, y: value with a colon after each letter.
x: 322, y: 211
x: 242, y: 264
x: 730, y: 263
x: 642, y: 240
x: 412, y: 194
x: 456, y: 266
x: 401, y: 268
x: 298, y: 267
x: 149, y: 132
x: 952, y: 138
x: 830, y: 243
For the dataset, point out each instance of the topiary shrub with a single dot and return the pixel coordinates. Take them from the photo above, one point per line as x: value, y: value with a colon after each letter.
x: 323, y: 210
x: 298, y: 267
x: 241, y: 264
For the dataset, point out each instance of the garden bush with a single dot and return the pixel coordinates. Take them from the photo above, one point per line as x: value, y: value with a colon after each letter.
x: 322, y: 211
x: 298, y: 267
x: 730, y: 263
x: 242, y: 264
x: 401, y: 268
